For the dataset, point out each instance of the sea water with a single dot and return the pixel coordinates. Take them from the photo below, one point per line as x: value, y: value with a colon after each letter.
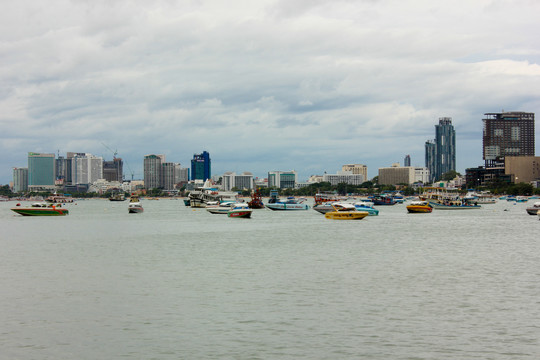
x: 181, y: 283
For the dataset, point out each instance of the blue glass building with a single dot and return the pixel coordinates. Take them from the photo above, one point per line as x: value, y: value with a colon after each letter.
x: 200, y: 166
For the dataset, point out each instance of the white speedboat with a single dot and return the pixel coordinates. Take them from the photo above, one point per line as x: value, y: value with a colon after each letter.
x: 135, y: 205
x: 290, y: 204
x: 218, y: 208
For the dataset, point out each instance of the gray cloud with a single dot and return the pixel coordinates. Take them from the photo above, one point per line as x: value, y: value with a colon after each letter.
x: 261, y: 85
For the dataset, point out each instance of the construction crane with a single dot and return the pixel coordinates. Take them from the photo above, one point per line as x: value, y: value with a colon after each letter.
x: 115, y: 152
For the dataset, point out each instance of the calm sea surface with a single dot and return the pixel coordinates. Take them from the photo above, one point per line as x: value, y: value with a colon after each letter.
x: 181, y: 283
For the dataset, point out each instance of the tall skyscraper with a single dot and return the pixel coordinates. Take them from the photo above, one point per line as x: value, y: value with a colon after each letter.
x: 407, y: 160
x: 441, y: 153
x: 170, y: 175
x: 41, y: 172
x: 201, y: 167
x: 507, y: 134
x: 86, y: 169
x: 153, y: 171
x: 20, y: 179
x: 113, y: 170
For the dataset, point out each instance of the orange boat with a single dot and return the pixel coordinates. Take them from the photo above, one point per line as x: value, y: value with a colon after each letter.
x: 419, y: 207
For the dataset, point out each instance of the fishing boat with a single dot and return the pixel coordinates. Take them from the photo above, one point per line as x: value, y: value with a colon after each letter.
x: 256, y: 200
x: 59, y: 199
x: 41, y: 209
x: 118, y: 197
x: 239, y: 210
x: 383, y: 199
x: 325, y: 197
x: 419, y: 207
x: 343, y: 211
x: 533, y: 210
x: 289, y: 204
x: 446, y: 199
x: 135, y: 206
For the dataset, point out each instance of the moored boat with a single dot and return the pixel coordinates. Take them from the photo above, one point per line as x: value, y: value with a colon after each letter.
x: 41, y: 209
x: 343, y: 211
x: 290, y: 204
x: 533, y: 210
x: 419, y: 207
x: 256, y: 200
x: 446, y: 199
x: 239, y: 210
x: 383, y: 199
x: 218, y: 208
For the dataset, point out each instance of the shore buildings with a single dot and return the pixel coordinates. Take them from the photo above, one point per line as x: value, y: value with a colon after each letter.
x: 507, y: 134
x: 113, y: 170
x: 396, y: 175
x: 41, y: 174
x: 356, y: 169
x: 152, y: 170
x: 20, y: 179
x: 441, y: 152
x: 201, y: 166
x: 282, y: 179
x: 231, y: 180
x: 508, y: 150
x: 344, y: 177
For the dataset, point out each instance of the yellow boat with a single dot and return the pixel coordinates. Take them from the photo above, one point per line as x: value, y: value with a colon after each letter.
x: 419, y: 207
x: 345, y: 212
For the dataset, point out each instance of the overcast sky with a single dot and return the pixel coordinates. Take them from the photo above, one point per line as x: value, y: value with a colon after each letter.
x: 261, y: 85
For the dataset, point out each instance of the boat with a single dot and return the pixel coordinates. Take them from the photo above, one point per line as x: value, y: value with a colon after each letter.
x: 533, y: 210
x: 522, y: 199
x: 289, y: 204
x: 419, y: 207
x: 218, y: 208
x: 41, y: 209
x: 239, y: 210
x: 325, y: 197
x: 383, y: 199
x: 118, y: 197
x: 446, y: 199
x: 199, y: 197
x: 59, y: 199
x: 366, y: 206
x: 135, y: 206
x: 256, y: 200
x: 344, y: 211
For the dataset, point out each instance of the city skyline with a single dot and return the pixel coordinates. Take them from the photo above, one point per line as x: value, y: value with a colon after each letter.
x: 262, y: 86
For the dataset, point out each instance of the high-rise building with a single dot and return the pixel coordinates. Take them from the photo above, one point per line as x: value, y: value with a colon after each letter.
x: 431, y: 157
x: 201, y: 167
x: 441, y: 153
x: 170, y: 175
x: 113, y: 170
x: 407, y: 160
x: 507, y: 134
x: 153, y: 171
x: 86, y: 169
x: 20, y: 179
x: 41, y: 172
x: 231, y: 180
x: 356, y: 169
x: 282, y: 179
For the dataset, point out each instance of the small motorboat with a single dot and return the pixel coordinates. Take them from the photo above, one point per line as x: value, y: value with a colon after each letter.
x: 345, y: 212
x: 41, y: 209
x: 239, y: 210
x: 419, y: 207
x: 215, y: 207
x: 533, y: 210
x: 135, y: 206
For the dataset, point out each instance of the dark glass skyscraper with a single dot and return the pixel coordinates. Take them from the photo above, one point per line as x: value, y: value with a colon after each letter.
x: 200, y: 166
x: 507, y: 134
x: 441, y: 153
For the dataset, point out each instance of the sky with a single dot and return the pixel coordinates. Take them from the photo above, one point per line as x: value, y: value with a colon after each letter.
x: 266, y: 85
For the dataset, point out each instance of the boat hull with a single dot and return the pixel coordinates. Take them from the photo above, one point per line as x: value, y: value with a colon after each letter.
x: 135, y: 210
x: 282, y: 206
x: 346, y: 215
x: 417, y: 209
x: 239, y: 214
x: 41, y: 211
x: 439, y: 206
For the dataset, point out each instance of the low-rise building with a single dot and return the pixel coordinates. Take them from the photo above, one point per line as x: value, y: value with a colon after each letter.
x: 396, y: 174
x: 344, y: 177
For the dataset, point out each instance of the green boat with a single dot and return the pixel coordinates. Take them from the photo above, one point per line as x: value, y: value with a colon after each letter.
x: 41, y: 209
